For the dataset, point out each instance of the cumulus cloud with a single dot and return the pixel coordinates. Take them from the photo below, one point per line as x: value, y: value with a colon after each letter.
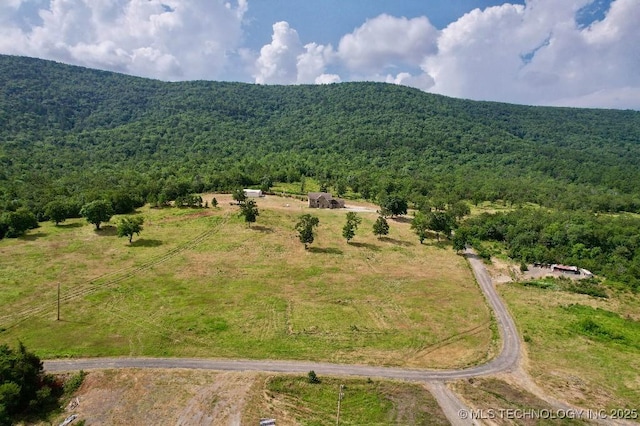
x: 278, y: 60
x: 387, y: 41
x: 421, y: 81
x: 167, y: 39
x: 538, y: 54
x: 286, y: 61
x: 328, y: 79
x: 313, y: 62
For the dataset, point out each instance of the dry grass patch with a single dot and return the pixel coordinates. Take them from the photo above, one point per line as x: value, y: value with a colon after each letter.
x: 161, y: 397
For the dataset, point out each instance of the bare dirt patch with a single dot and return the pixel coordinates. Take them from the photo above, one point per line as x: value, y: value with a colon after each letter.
x: 503, y: 271
x: 162, y: 397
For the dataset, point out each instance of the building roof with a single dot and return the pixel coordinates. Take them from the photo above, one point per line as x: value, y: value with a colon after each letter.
x: 317, y: 195
x: 565, y: 267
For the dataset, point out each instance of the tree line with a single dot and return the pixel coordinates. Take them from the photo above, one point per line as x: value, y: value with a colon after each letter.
x: 601, y: 243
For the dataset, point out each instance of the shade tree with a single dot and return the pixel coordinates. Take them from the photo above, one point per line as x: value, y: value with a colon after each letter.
x: 96, y: 212
x: 14, y: 224
x: 393, y: 205
x: 420, y: 225
x: 56, y: 211
x: 380, y: 227
x: 249, y: 211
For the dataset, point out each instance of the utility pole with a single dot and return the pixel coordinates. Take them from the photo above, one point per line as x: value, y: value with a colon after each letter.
x: 340, y: 396
x: 58, y: 318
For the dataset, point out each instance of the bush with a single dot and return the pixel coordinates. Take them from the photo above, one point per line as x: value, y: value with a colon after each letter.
x: 312, y: 377
x: 74, y: 382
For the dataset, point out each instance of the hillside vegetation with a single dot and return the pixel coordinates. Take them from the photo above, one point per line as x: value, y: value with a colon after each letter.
x: 75, y: 133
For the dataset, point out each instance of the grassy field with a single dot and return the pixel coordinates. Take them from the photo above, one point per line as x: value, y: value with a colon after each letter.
x: 202, y: 283
x: 363, y: 402
x: 581, y: 349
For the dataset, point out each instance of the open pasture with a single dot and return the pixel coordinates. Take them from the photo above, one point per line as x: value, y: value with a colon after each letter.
x: 201, y: 283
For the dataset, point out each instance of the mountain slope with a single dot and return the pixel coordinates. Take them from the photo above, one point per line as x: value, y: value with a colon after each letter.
x: 70, y: 131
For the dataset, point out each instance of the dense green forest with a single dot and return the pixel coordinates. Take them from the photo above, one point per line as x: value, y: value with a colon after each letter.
x: 71, y: 135
x: 78, y: 133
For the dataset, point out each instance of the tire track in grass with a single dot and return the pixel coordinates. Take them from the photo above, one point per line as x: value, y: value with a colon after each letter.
x: 108, y: 280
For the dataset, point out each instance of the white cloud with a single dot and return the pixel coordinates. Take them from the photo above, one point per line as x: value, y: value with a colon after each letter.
x: 537, y: 54
x: 481, y: 46
x: 286, y: 61
x: 277, y: 63
x: 327, y: 79
x: 166, y: 39
x: 421, y: 81
x: 313, y: 62
x: 387, y: 41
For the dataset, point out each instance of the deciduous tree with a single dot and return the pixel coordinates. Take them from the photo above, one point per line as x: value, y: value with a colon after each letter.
x: 349, y: 228
x: 420, y: 225
x: 305, y: 227
x: 249, y: 210
x: 24, y: 384
x: 16, y: 223
x: 380, y: 227
x: 441, y: 222
x: 239, y: 196
x: 460, y: 239
x: 129, y: 226
x: 97, y: 212
x: 393, y: 205
x: 56, y: 211
x: 266, y: 183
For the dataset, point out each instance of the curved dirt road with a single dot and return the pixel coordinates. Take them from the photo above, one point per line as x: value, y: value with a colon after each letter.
x: 507, y: 358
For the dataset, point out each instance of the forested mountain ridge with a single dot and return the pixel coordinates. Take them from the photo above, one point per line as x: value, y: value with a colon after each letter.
x: 73, y: 132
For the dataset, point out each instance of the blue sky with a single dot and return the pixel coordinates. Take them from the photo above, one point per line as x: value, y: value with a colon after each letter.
x: 583, y: 53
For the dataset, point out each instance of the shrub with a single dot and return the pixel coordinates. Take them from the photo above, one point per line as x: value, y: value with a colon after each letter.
x: 312, y: 377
